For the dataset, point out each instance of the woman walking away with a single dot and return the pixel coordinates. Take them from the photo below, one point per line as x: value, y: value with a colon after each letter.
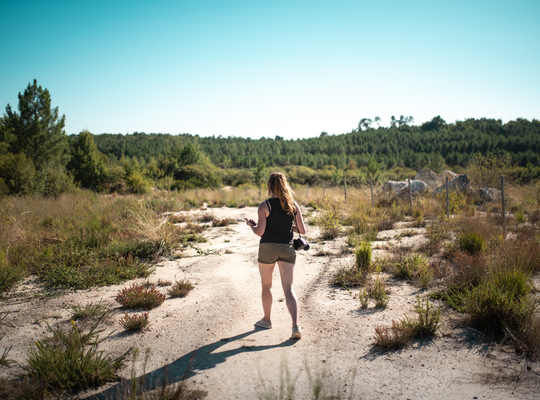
x: 278, y: 218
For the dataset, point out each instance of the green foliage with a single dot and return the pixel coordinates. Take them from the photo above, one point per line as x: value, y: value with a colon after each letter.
x: 87, y: 162
x: 409, y: 266
x: 428, y: 319
x: 329, y: 221
x: 471, y: 242
x: 348, y: 277
x: 9, y: 275
x: 486, y: 170
x: 71, y: 361
x: 363, y: 256
x: 140, y: 296
x: 377, y: 291
x: 89, y: 310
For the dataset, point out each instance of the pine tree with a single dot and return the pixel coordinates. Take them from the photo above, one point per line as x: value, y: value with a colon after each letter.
x: 86, y: 162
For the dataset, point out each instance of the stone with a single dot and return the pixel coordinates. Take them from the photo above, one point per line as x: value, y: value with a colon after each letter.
x: 429, y: 177
x: 462, y: 183
x: 488, y: 194
x: 451, y: 176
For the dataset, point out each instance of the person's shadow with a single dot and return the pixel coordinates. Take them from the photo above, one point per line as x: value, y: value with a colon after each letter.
x: 186, y: 366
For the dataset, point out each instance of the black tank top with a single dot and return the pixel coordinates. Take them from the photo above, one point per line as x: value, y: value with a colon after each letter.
x: 278, y: 224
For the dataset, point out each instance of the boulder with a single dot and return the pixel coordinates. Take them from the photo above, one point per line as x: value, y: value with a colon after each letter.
x: 391, y: 187
x: 451, y: 176
x: 417, y: 187
x: 488, y: 194
x: 461, y: 183
x: 429, y: 177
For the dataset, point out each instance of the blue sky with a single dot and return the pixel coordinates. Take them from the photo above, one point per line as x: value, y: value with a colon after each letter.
x: 288, y: 68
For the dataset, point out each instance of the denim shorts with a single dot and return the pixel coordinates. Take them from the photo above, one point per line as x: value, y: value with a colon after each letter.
x: 269, y: 253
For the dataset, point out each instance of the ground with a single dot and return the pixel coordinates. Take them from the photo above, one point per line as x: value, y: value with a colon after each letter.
x: 213, y: 327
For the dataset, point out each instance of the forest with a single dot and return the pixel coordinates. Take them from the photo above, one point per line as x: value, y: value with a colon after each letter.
x: 37, y: 157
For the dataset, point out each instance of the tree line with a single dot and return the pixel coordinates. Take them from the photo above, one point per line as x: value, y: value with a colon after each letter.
x: 36, y: 155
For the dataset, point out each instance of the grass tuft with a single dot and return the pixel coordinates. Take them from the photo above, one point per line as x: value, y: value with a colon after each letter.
x: 135, y: 322
x: 181, y: 288
x: 140, y: 296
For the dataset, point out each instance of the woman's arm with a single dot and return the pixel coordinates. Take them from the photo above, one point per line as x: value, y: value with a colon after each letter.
x: 298, y: 220
x: 260, y: 226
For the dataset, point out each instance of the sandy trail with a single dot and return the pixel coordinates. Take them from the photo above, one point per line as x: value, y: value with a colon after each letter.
x: 213, y: 326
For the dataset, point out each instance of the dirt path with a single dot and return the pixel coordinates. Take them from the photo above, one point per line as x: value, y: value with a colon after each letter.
x: 213, y: 326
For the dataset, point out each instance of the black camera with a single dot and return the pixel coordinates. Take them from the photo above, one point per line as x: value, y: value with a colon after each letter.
x: 300, y: 244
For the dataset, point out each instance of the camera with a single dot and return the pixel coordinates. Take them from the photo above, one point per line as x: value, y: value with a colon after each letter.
x: 300, y: 244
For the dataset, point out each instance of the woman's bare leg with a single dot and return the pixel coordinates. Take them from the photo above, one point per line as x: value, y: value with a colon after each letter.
x: 266, y: 271
x: 286, y: 271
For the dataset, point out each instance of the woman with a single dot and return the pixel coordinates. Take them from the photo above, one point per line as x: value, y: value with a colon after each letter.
x: 278, y: 218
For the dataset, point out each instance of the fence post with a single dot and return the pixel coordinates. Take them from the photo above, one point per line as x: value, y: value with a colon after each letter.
x: 307, y: 188
x: 345, y: 187
x: 371, y: 185
x: 503, y: 207
x: 410, y: 193
x: 323, y: 188
x: 447, y: 200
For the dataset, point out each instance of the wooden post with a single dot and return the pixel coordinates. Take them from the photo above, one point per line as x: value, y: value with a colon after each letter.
x: 447, y: 200
x: 345, y: 187
x: 503, y: 207
x: 371, y: 185
x: 410, y: 193
x: 323, y: 189
x: 259, y: 191
x: 307, y: 188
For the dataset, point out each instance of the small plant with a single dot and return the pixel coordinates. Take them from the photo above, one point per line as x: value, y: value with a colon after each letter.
x: 223, y: 222
x: 425, y: 275
x: 364, y: 298
x: 363, y: 256
x: 89, y: 310
x: 140, y: 296
x: 135, y: 322
x: 181, y: 288
x: 409, y: 266
x: 349, y: 276
x: 163, y: 282
x: 471, y: 242
x: 393, y: 337
x: 429, y: 319
x: 71, y: 361
x: 378, y: 293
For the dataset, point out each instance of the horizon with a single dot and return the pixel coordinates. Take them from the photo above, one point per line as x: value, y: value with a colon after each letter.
x: 295, y: 70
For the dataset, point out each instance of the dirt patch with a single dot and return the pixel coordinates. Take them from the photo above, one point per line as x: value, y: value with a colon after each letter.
x: 213, y: 327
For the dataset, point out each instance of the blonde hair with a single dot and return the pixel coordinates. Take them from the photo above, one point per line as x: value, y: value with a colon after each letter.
x: 278, y: 185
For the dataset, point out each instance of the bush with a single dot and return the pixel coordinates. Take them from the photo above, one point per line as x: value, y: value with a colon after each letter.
x: 410, y: 266
x: 350, y: 276
x: 135, y: 322
x: 428, y: 322
x: 471, y: 242
x: 181, y: 288
x: 89, y: 310
x: 71, y: 361
x: 363, y: 256
x: 377, y: 291
x: 140, y: 296
x: 394, y: 337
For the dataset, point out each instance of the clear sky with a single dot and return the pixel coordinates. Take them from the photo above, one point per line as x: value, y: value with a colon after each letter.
x: 253, y: 68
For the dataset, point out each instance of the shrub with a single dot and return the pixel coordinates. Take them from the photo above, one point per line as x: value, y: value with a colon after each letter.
x: 429, y: 319
x: 223, y: 222
x: 349, y: 276
x: 425, y: 275
x: 377, y: 291
x: 89, y: 310
x: 135, y: 322
x: 363, y: 256
x: 71, y: 361
x: 471, y: 242
x: 409, y: 267
x: 394, y: 337
x: 181, y: 288
x: 9, y: 277
x: 140, y: 296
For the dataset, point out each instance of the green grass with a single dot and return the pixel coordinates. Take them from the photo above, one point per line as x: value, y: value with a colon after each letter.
x: 89, y: 310
x: 363, y: 255
x: 71, y: 361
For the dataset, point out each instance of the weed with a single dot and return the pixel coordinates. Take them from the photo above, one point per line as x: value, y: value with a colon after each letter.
x: 140, y: 296
x: 425, y: 275
x: 135, y: 322
x: 393, y: 337
x: 349, y: 276
x: 364, y: 298
x: 223, y: 222
x: 89, y: 310
x: 429, y: 319
x: 163, y: 282
x: 471, y: 242
x: 409, y: 266
x: 377, y: 291
x: 363, y: 256
x: 181, y: 288
x: 71, y: 361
